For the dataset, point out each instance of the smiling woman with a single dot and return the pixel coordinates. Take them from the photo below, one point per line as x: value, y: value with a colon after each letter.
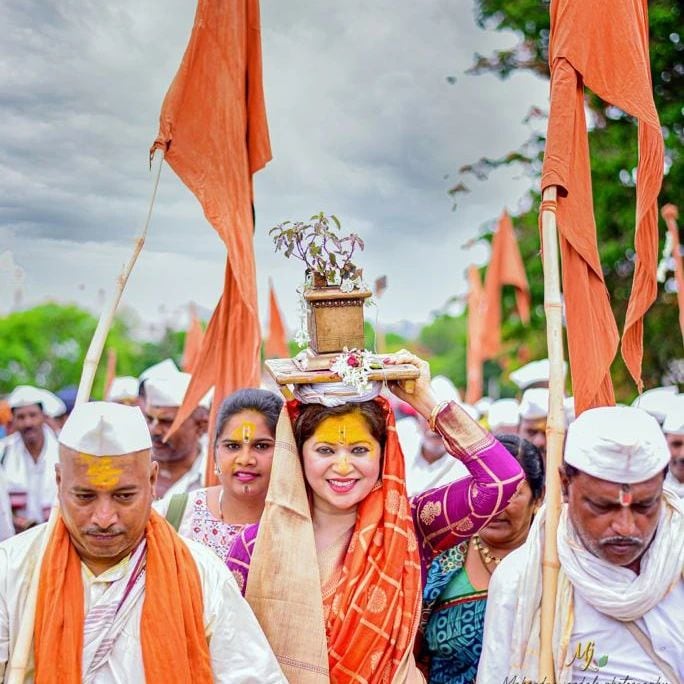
x: 243, y: 450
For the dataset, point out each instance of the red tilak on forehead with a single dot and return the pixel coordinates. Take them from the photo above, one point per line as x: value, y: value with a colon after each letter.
x: 625, y: 496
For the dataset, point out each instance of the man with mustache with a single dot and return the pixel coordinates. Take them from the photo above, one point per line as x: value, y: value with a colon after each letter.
x: 620, y: 592
x: 121, y: 597
x: 182, y: 455
x: 29, y: 458
x: 673, y: 427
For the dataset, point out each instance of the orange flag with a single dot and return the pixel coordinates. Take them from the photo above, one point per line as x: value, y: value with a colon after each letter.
x: 276, y: 343
x: 474, y: 367
x: 193, y: 342
x: 505, y: 268
x: 214, y: 133
x: 670, y: 213
x: 603, y: 45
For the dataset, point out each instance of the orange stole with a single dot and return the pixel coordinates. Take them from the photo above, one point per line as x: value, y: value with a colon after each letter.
x: 373, y: 615
x: 174, y: 645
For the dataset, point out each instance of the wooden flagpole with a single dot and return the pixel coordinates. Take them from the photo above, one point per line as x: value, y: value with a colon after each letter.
x: 22, y: 648
x: 670, y: 215
x: 555, y: 429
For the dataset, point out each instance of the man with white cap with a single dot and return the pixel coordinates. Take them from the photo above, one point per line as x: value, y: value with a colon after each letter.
x: 124, y: 390
x: 29, y: 458
x: 620, y: 592
x: 181, y: 456
x: 121, y: 597
x: 428, y: 464
x: 504, y: 416
x: 534, y: 410
x: 534, y: 374
x: 673, y: 427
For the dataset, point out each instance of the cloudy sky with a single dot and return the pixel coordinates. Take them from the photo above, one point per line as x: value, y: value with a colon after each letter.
x: 363, y: 124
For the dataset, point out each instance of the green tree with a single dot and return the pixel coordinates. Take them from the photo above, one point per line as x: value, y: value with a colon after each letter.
x: 613, y: 145
x: 46, y: 345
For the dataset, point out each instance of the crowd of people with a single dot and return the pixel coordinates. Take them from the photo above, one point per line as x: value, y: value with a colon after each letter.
x: 394, y: 536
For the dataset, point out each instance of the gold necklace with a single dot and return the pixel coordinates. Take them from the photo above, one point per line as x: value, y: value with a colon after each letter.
x: 220, y: 504
x: 485, y: 554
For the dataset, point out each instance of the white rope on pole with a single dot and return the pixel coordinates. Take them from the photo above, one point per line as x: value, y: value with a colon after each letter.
x: 22, y: 647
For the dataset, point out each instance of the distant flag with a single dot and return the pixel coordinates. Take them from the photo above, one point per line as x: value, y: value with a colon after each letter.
x: 275, y: 345
x: 214, y: 133
x: 474, y: 361
x: 505, y: 268
x: 193, y: 341
x: 110, y: 372
x: 670, y: 214
x: 606, y: 50
x: 380, y: 286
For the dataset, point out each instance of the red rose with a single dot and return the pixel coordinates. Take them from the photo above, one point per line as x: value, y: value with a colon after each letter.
x: 353, y: 361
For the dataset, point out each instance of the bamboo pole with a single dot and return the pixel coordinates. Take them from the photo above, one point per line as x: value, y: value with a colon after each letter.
x: 670, y: 215
x: 22, y: 647
x: 555, y: 429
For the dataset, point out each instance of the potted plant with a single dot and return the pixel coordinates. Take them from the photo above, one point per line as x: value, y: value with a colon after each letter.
x: 334, y: 291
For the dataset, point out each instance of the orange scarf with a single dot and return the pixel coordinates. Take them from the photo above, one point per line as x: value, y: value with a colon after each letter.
x: 174, y: 646
x: 374, y: 614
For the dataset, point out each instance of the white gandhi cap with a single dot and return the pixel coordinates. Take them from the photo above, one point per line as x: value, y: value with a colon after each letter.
x: 123, y: 388
x: 534, y: 404
x: 25, y: 395
x: 503, y: 413
x: 168, y: 391
x: 534, y: 372
x: 617, y: 443
x: 674, y: 417
x: 102, y: 428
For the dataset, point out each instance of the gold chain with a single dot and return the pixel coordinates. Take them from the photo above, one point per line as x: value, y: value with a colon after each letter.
x: 485, y: 554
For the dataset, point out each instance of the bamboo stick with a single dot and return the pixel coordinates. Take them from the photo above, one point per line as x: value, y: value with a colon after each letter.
x: 22, y: 647
x: 92, y: 358
x: 555, y: 430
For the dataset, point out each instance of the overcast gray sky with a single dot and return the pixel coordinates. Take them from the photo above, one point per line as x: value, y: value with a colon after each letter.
x: 363, y: 124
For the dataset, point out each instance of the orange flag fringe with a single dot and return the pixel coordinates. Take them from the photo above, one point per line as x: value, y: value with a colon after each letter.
x: 276, y: 343
x: 505, y: 268
x: 670, y: 214
x: 605, y: 47
x: 214, y: 133
x: 193, y: 342
x: 474, y: 367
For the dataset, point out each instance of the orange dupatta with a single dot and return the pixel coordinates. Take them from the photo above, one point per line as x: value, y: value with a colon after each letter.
x: 174, y: 645
x: 375, y: 611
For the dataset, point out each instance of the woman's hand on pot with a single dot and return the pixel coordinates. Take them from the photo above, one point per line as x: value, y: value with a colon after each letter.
x: 422, y: 398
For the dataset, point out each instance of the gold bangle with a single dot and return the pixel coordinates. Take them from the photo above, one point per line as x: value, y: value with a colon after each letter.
x: 434, y: 413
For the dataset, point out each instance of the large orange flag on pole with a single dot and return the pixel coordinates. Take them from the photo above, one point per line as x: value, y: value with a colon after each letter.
x: 193, y: 342
x: 474, y: 362
x: 214, y: 133
x: 603, y: 45
x: 276, y: 342
x: 505, y: 268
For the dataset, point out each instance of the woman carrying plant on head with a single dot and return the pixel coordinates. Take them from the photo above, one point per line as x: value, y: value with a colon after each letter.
x: 455, y: 594
x: 243, y: 452
x: 334, y: 570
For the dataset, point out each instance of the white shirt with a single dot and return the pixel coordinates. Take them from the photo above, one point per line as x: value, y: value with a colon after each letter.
x: 422, y: 475
x: 6, y: 524
x: 592, y: 629
x: 674, y: 484
x: 238, y: 648
x: 190, y: 480
x: 31, y: 484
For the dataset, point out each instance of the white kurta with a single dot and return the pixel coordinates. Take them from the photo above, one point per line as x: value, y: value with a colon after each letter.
x: 422, y: 475
x: 188, y: 482
x: 238, y: 648
x: 674, y: 484
x: 31, y: 484
x: 6, y: 524
x: 592, y: 630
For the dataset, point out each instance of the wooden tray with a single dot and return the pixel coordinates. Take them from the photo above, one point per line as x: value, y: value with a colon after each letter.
x: 287, y: 372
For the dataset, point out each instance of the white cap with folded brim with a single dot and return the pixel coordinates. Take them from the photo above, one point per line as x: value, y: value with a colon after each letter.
x: 503, y: 413
x: 618, y: 444
x: 103, y: 428
x: 123, y: 388
x: 25, y: 395
x: 656, y: 401
x: 158, y: 370
x: 533, y: 372
x: 168, y: 391
x: 53, y: 406
x: 534, y: 404
x: 674, y: 418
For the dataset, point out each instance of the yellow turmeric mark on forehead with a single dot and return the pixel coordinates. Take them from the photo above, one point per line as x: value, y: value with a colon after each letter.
x: 101, y: 471
x: 244, y: 432
x: 350, y: 428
